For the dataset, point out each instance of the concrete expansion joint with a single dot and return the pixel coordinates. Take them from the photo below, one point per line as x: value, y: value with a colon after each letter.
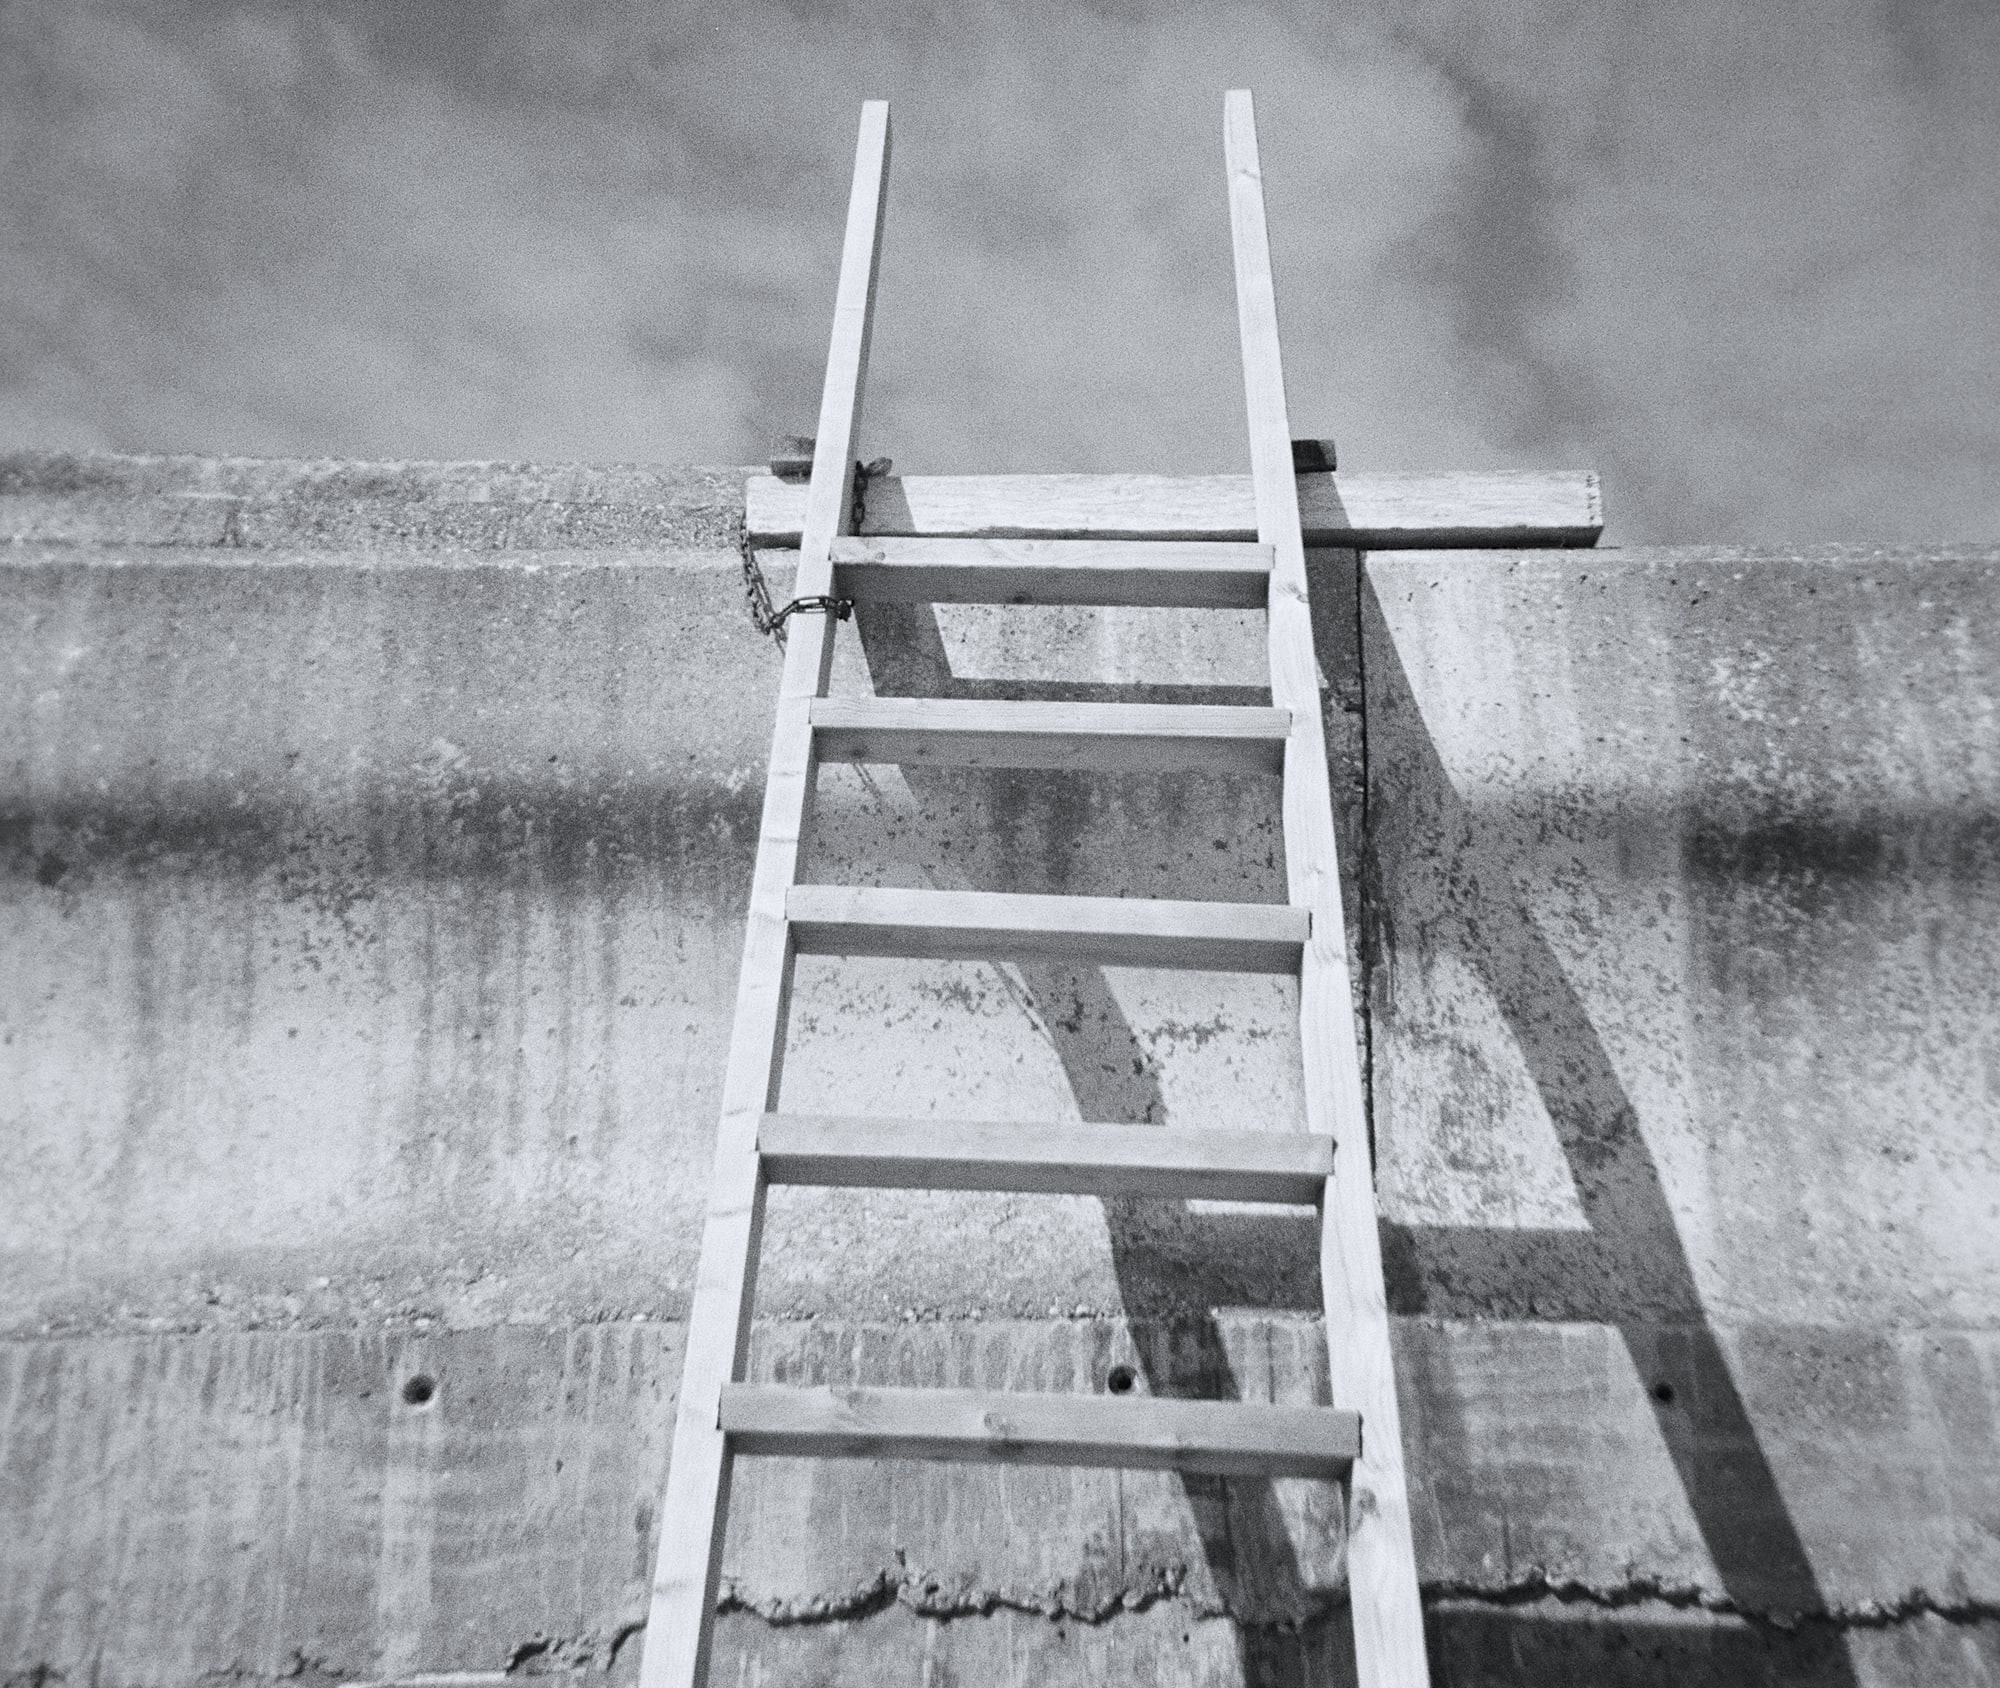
x: 588, y: 1655
x: 1534, y: 1588
x: 931, y: 1596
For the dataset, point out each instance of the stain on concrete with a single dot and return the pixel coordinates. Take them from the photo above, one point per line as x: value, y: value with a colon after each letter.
x: 1642, y: 897
x: 378, y: 839
x: 237, y: 1501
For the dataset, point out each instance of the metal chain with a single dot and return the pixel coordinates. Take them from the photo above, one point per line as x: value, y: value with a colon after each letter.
x: 764, y: 615
x: 839, y: 608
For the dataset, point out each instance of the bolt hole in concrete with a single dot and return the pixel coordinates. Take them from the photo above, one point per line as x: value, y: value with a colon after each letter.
x: 1119, y: 1380
x: 1664, y: 1394
x: 418, y: 1390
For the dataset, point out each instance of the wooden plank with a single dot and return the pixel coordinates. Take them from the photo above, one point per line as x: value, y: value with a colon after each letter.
x: 1221, y: 1438
x: 998, y: 926
x: 695, y: 1506
x: 1374, y: 512
x: 1205, y: 575
x: 1045, y: 1159
x: 1382, y: 1569
x: 1118, y: 737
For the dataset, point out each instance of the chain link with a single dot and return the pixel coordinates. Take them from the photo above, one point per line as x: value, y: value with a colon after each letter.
x: 765, y: 616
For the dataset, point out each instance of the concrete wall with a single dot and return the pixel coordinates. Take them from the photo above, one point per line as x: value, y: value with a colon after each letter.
x: 1684, y: 889
x: 375, y: 844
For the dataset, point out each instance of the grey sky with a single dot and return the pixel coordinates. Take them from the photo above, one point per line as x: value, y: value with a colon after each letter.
x: 1741, y: 259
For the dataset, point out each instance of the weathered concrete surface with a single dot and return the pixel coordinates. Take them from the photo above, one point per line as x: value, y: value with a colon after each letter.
x: 426, y: 1536
x: 1686, y: 924
x: 513, y: 1507
x: 376, y: 840
x: 1473, y: 1645
x: 1684, y: 937
x: 252, y: 1502
x: 374, y: 917
x: 366, y: 508
x: 386, y: 899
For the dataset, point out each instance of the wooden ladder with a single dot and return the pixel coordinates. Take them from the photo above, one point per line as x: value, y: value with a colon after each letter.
x: 720, y: 1416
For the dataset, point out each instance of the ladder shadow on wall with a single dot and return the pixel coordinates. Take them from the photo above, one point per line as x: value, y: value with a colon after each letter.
x: 1629, y: 1269
x: 1167, y: 1256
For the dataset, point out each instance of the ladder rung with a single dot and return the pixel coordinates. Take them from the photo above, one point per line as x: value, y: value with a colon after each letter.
x: 1117, y: 736
x: 1183, y: 574
x: 1071, y: 1160
x: 989, y: 925
x: 1224, y: 1438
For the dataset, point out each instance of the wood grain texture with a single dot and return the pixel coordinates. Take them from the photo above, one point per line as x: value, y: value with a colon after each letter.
x: 1191, y: 575
x: 1046, y: 1159
x: 695, y: 1506
x: 1375, y: 512
x: 1000, y: 926
x: 1382, y: 1570
x: 1110, y: 737
x: 1222, y: 1438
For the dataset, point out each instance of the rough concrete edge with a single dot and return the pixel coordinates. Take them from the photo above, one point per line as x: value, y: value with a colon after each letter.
x: 1534, y: 1587
x: 928, y: 1595
x: 595, y: 1655
x: 324, y: 505
x: 26, y: 470
x: 133, y: 555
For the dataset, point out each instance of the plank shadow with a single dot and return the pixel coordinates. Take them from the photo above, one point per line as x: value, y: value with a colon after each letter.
x: 1630, y: 1268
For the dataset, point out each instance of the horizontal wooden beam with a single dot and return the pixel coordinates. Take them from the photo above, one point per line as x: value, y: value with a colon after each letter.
x: 1116, y: 737
x: 1220, y: 1438
x: 999, y: 926
x: 1375, y: 512
x: 1186, y: 575
x: 1045, y: 1159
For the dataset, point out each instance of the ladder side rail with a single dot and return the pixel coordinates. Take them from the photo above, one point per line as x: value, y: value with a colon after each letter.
x: 1382, y: 1572
x: 694, y: 1510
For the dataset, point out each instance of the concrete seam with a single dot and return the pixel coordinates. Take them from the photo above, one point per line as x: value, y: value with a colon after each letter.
x: 922, y: 1594
x: 1536, y: 1589
x: 888, y: 1592
x: 928, y: 1596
